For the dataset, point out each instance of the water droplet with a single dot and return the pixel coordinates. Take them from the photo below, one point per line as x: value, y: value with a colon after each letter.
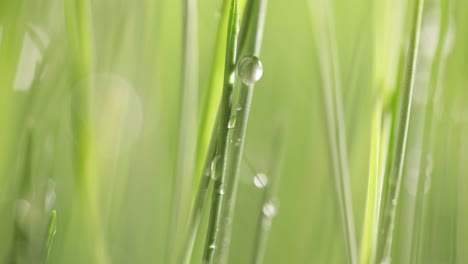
x: 212, y: 246
x: 232, y: 122
x: 50, y: 195
x: 239, y: 107
x: 232, y: 77
x: 221, y: 190
x: 430, y: 33
x: 238, y: 142
x: 213, y: 173
x: 386, y: 260
x: 23, y: 209
x: 413, y: 172
x: 394, y: 202
x: 270, y: 209
x: 250, y: 70
x: 449, y: 38
x: 227, y: 221
x: 116, y: 107
x: 260, y: 180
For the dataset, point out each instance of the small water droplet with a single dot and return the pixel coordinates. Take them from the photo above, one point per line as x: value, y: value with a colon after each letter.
x: 232, y: 77
x: 394, y: 202
x: 260, y: 180
x: 239, y: 107
x: 238, y: 142
x: 213, y: 173
x: 221, y: 190
x: 270, y: 209
x: 232, y: 122
x: 23, y: 209
x: 50, y: 195
x: 250, y: 70
x: 212, y: 246
x: 386, y: 260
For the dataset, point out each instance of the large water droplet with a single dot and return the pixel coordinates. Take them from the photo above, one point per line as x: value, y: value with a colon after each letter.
x: 232, y: 122
x: 260, y: 180
x: 250, y: 70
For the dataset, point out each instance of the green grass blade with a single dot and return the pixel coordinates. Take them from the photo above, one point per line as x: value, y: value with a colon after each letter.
x: 213, y: 94
x: 402, y: 130
x: 224, y: 113
x: 270, y: 191
x: 187, y: 131
x: 369, y: 237
x: 327, y: 46
x: 80, y: 40
x: 225, y: 188
x: 428, y: 137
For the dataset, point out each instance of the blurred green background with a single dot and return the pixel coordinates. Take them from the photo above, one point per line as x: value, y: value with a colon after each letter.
x: 137, y: 71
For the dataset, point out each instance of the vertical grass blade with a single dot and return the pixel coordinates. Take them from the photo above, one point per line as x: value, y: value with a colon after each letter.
x: 225, y: 189
x: 428, y: 138
x: 213, y: 94
x: 326, y: 43
x: 398, y: 159
x: 80, y: 40
x: 187, y: 131
x: 269, y: 195
x: 224, y: 115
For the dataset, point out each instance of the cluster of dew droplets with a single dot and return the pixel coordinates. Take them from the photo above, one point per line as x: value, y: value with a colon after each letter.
x: 250, y: 70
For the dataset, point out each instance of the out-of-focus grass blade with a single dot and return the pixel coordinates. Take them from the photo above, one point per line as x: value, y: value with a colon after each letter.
x: 326, y: 42
x: 270, y: 191
x: 188, y: 116
x: 404, y: 110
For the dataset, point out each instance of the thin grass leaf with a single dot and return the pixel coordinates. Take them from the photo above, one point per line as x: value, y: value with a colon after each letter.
x: 224, y: 115
x: 270, y: 191
x: 326, y: 43
x: 187, y: 131
x: 402, y: 131
x: 428, y: 138
x: 80, y: 40
x: 213, y: 93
